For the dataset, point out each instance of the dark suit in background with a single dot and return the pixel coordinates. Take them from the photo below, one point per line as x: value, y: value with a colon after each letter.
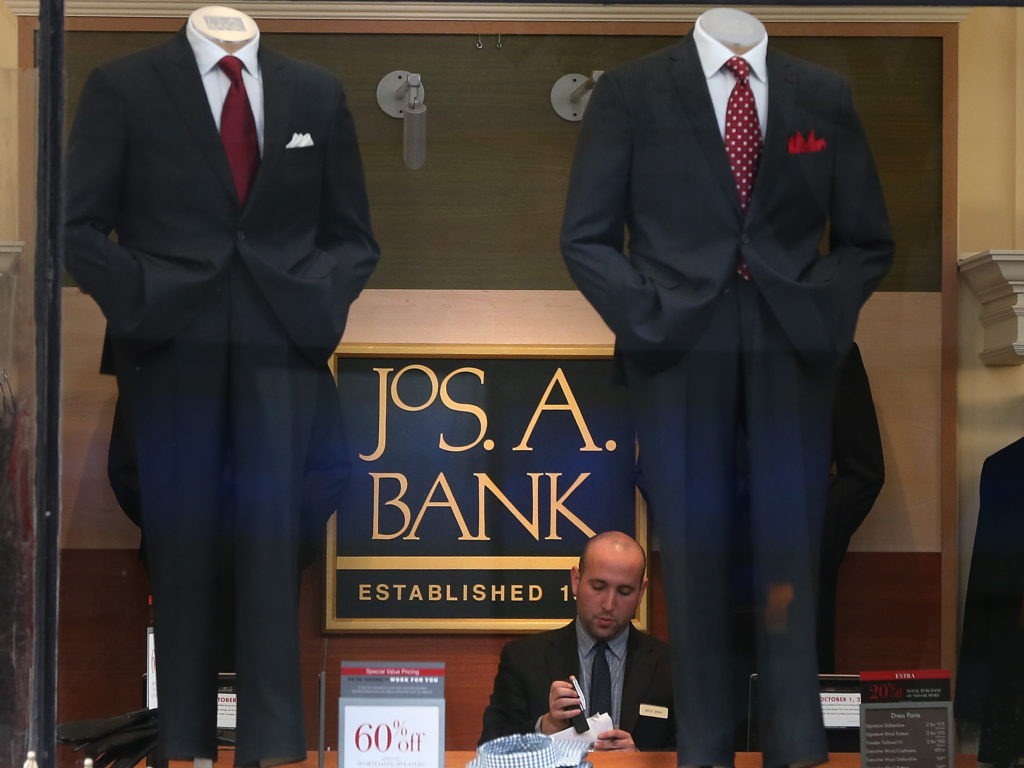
x: 528, y: 665
x: 990, y: 672
x: 711, y: 359
x: 221, y: 320
x: 856, y: 480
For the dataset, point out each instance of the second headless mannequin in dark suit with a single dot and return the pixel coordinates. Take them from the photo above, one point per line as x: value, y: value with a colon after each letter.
x: 711, y: 358
x: 990, y: 673
x: 854, y: 484
x: 221, y: 318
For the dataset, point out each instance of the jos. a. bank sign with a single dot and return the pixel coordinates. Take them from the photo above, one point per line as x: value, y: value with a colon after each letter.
x: 477, y: 477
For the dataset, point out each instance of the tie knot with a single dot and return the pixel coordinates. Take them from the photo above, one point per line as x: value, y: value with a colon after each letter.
x: 739, y: 67
x: 600, y: 646
x: 232, y: 67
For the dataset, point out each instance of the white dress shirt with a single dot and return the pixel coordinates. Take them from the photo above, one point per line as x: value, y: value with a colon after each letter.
x: 713, y: 56
x: 217, y: 83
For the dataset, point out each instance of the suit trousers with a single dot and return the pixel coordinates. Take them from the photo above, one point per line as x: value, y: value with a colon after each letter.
x: 222, y: 416
x: 740, y: 387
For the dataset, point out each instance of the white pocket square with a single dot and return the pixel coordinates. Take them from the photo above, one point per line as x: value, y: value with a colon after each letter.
x: 299, y: 140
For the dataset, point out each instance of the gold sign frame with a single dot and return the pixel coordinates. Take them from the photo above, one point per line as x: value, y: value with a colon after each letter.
x: 333, y: 562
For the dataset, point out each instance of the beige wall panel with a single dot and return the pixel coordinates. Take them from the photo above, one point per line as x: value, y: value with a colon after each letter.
x: 899, y: 338
x: 8, y: 38
x: 474, y: 317
x: 90, y: 516
x: 991, y: 81
x: 9, y: 84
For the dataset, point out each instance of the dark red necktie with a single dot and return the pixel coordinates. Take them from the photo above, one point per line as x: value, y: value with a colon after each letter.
x: 742, y: 138
x: 238, y: 130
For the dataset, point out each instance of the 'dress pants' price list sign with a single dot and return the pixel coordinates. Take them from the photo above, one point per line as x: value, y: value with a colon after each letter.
x: 906, y: 719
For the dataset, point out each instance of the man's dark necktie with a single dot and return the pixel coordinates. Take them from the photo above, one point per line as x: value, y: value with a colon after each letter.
x: 238, y: 130
x: 742, y: 138
x: 600, y: 681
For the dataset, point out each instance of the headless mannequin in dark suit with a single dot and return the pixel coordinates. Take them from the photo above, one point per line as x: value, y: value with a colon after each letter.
x: 220, y: 318
x: 990, y: 672
x: 711, y: 359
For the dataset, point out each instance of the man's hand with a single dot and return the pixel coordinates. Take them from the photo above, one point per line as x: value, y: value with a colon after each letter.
x: 562, y: 705
x: 615, y: 740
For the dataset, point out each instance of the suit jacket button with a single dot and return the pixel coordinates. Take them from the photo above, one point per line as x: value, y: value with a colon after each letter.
x: 240, y: 236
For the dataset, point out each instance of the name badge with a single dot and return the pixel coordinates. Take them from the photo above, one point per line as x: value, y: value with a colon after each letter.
x: 650, y: 710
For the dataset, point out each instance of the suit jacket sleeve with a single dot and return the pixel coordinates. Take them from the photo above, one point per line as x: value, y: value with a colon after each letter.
x: 859, y: 231
x: 517, y: 700
x: 344, y: 230
x: 592, y: 239
x: 97, y: 156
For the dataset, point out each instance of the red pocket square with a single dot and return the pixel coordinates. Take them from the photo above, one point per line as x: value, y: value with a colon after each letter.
x: 798, y: 144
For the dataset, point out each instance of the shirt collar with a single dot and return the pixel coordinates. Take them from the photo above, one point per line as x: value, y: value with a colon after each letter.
x: 713, y: 54
x: 208, y: 53
x: 617, y: 645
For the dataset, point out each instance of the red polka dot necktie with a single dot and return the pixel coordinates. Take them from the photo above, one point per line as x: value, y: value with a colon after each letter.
x: 238, y: 130
x: 742, y: 131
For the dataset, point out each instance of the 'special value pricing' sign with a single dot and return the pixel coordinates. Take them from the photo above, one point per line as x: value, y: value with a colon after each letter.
x: 391, y: 715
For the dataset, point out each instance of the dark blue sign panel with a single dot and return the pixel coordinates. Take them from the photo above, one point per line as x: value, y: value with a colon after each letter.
x: 476, y: 482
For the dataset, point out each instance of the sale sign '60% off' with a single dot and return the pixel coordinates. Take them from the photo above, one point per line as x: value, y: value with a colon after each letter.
x: 391, y: 737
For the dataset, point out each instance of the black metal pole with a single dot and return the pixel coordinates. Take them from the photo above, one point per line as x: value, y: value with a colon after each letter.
x: 48, y: 278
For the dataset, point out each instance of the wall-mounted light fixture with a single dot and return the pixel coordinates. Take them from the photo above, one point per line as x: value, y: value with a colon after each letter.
x: 570, y: 94
x: 401, y: 94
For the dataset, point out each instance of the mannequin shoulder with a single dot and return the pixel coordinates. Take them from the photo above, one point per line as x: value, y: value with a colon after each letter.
x: 127, y: 69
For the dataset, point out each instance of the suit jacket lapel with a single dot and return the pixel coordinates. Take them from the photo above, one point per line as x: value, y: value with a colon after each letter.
x: 562, y: 657
x: 180, y: 76
x: 691, y: 85
x: 637, y: 679
x: 277, y: 99
x: 782, y: 84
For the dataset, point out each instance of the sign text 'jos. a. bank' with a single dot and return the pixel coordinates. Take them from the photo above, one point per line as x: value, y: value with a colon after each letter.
x: 475, y: 483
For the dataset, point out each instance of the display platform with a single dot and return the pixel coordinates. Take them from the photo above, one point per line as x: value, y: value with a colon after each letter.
x: 458, y: 759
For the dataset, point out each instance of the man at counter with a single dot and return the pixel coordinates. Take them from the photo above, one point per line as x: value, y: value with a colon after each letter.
x: 623, y: 671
